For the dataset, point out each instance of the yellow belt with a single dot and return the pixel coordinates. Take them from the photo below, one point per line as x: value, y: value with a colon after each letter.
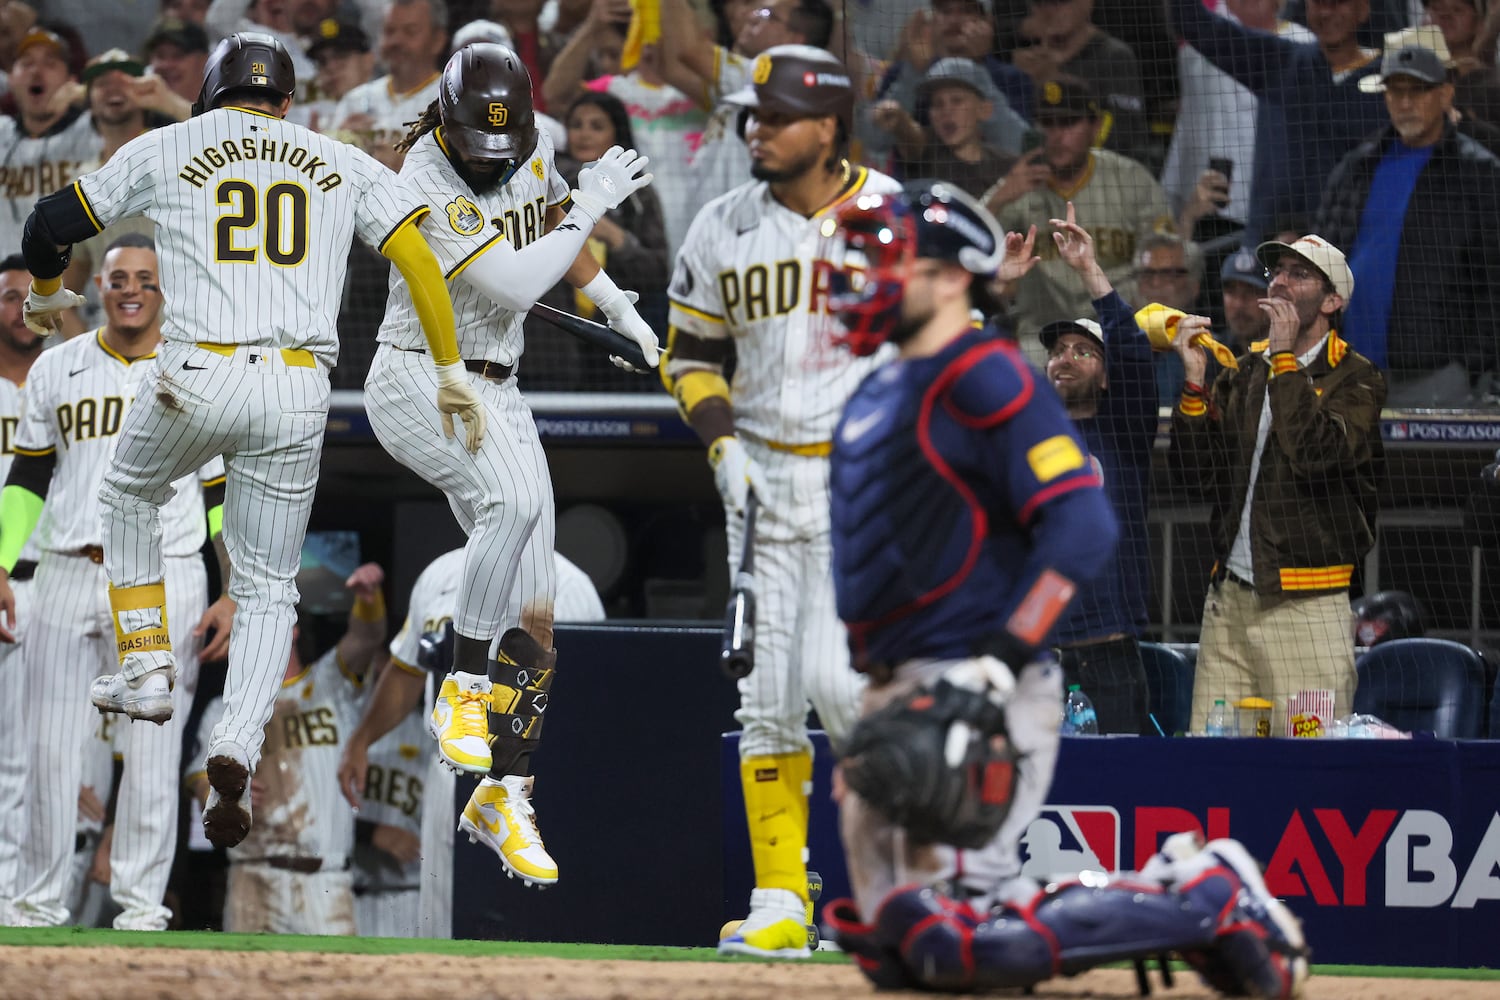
x: 293, y: 356
x: 818, y: 449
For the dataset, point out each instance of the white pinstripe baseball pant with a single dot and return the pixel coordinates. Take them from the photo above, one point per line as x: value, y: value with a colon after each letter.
x: 502, y: 497
x: 15, y: 748
x: 266, y: 418
x: 70, y: 641
x: 801, y: 647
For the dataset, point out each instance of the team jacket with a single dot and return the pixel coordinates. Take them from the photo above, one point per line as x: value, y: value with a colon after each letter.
x: 1313, y: 514
x: 957, y: 481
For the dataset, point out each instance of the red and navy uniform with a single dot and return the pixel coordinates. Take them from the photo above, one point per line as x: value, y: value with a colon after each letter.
x: 954, y: 480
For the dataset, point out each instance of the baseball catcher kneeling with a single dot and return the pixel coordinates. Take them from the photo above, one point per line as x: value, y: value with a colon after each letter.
x: 965, y: 514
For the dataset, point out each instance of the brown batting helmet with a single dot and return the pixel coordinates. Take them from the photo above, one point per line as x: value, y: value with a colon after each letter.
x: 801, y: 81
x: 485, y: 102
x: 246, y: 60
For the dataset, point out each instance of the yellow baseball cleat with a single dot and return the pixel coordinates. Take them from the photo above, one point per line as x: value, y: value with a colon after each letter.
x: 460, y: 722
x: 499, y: 815
x: 775, y: 928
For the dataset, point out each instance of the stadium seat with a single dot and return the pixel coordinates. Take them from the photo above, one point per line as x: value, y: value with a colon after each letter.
x: 1169, y: 677
x: 1424, y: 685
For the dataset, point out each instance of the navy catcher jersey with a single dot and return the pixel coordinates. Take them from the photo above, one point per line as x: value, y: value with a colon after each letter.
x: 941, y: 467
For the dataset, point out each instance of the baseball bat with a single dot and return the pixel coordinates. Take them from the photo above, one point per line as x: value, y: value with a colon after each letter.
x: 598, y: 334
x: 737, y: 655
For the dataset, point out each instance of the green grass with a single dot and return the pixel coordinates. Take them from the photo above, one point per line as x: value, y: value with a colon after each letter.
x: 51, y: 937
x: 207, y: 941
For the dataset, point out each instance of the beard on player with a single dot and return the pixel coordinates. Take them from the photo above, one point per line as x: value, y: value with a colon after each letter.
x: 799, y: 166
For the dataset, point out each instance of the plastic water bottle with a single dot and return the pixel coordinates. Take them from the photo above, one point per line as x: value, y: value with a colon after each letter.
x: 1218, y: 720
x: 1078, y: 714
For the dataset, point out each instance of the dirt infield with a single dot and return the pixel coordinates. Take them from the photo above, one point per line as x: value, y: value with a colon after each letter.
x: 88, y: 973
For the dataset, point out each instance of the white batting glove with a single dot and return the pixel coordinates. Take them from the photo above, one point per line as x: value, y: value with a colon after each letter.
x: 735, y: 473
x: 622, y: 317
x: 456, y: 396
x: 609, y: 180
x: 42, y: 314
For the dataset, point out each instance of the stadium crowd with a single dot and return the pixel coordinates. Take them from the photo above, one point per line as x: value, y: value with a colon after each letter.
x: 1220, y: 124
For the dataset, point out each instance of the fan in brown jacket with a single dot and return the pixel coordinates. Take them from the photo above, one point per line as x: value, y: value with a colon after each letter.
x: 1287, y: 449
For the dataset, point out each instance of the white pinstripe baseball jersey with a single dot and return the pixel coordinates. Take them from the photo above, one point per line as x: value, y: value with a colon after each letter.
x: 74, y: 400
x: 31, y: 168
x: 462, y: 226
x: 393, y: 796
x: 11, y: 396
x: 433, y: 598
x: 747, y: 270
x: 302, y: 813
x: 391, y: 111
x: 254, y: 218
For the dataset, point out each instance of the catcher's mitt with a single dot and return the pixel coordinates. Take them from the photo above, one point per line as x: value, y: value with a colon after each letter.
x: 937, y: 763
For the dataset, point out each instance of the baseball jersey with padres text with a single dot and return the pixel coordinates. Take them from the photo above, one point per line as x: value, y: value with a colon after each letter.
x: 744, y: 271
x: 263, y: 209
x: 74, y: 400
x: 33, y: 167
x: 461, y: 227
x: 398, y: 764
x: 302, y: 813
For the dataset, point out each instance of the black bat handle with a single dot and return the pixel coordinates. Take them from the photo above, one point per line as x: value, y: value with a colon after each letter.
x: 737, y: 656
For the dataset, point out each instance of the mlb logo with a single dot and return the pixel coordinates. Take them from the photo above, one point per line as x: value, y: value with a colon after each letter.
x: 1065, y: 840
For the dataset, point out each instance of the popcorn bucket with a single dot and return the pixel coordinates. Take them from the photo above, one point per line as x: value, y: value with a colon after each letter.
x: 1308, y: 713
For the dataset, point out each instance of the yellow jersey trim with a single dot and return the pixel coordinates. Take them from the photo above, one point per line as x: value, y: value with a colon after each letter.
x: 99, y: 339
x: 413, y: 217
x: 88, y: 209
x: 474, y: 255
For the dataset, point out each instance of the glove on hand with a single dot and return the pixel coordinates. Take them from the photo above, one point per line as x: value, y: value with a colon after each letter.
x: 42, y: 314
x: 609, y: 180
x: 620, y: 311
x: 735, y: 473
x: 456, y: 396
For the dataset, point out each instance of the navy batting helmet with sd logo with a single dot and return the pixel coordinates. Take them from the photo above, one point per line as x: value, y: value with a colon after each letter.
x: 246, y: 60
x: 871, y: 242
x: 485, y: 102
x: 800, y: 81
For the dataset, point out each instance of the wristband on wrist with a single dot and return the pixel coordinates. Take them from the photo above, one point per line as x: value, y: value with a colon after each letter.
x: 1283, y: 362
x: 372, y: 610
x: 1193, y: 389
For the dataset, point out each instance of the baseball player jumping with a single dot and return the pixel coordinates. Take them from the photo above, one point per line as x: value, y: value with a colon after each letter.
x: 254, y: 216
x: 74, y: 405
x: 748, y: 282
x: 505, y: 231
x: 965, y: 515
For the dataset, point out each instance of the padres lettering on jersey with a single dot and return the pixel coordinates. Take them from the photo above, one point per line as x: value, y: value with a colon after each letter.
x: 10, y: 423
x: 73, y: 403
x: 254, y: 218
x: 394, y: 786
x: 462, y: 226
x: 31, y: 168
x: 748, y: 269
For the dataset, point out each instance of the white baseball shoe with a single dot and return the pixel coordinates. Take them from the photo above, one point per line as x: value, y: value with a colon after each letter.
x: 500, y: 815
x: 226, y: 815
x: 149, y: 697
x: 152, y: 919
x: 775, y: 928
x: 460, y: 722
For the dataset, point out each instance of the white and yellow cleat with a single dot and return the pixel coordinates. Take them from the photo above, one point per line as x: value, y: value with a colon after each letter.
x: 500, y: 816
x: 460, y: 722
x: 775, y: 928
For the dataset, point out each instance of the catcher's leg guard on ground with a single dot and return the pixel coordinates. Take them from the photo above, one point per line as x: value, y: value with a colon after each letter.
x: 520, y: 678
x: 1215, y: 911
x: 776, y: 787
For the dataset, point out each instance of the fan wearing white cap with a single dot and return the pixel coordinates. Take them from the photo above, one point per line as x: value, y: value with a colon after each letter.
x: 1289, y: 524
x: 1410, y: 203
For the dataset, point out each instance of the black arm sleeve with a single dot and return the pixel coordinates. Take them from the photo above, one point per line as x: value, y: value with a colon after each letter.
x: 33, y: 472
x: 58, y: 220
